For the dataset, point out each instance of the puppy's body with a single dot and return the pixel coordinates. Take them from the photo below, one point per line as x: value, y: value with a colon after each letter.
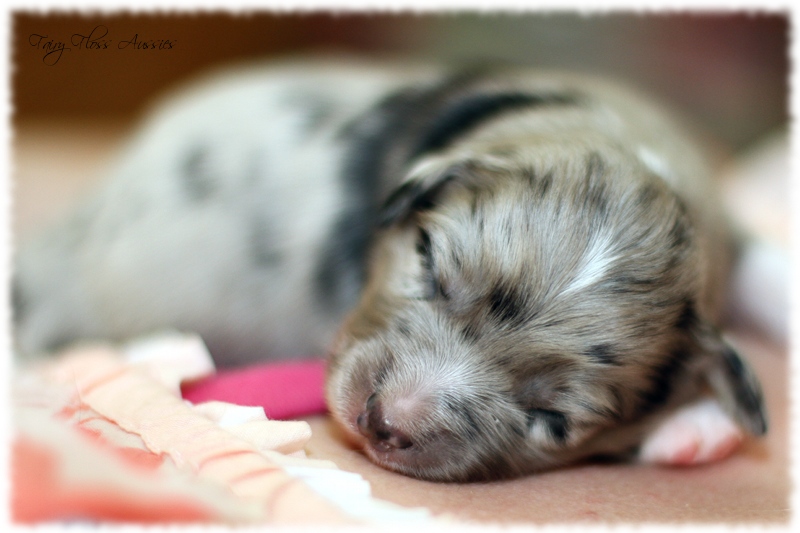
x: 531, y: 264
x: 216, y: 220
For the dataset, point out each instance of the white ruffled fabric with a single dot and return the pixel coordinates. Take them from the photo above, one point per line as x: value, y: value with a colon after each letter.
x: 227, y: 459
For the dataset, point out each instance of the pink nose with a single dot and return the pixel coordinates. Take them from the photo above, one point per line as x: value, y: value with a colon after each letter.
x: 381, y: 432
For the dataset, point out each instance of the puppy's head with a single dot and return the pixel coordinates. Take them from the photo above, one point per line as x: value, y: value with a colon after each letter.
x: 519, y: 316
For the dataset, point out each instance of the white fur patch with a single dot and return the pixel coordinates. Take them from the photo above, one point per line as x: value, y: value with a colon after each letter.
x: 599, y: 260
x: 654, y: 162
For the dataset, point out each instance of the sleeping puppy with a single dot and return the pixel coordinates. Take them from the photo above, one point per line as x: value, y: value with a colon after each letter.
x: 524, y: 268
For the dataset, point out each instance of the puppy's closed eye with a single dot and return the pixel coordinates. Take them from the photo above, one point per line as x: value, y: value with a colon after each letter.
x: 433, y: 286
x: 554, y: 422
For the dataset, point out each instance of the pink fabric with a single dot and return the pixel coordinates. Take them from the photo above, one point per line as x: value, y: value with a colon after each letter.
x: 110, y: 439
x: 285, y: 390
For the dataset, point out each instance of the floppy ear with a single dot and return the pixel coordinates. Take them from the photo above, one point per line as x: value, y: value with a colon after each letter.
x: 732, y: 381
x: 421, y: 191
x: 412, y: 196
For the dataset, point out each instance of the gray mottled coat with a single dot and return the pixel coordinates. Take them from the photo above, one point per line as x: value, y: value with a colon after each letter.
x: 529, y: 266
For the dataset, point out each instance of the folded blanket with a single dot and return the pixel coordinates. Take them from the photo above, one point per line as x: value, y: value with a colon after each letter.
x: 103, y: 434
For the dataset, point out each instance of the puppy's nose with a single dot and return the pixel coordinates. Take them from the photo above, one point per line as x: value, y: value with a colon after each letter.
x: 379, y: 429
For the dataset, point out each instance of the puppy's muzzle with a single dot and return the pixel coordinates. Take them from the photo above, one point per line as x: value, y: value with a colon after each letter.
x: 399, y: 433
x: 379, y: 429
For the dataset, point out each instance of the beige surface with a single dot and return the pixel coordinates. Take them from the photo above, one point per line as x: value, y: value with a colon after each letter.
x: 55, y: 162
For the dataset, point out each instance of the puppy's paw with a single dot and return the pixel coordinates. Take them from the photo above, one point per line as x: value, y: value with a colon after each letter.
x: 697, y: 433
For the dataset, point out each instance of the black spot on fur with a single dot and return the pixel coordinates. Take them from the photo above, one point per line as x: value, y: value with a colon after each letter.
x: 734, y: 365
x: 556, y: 422
x: 618, y: 401
x: 551, y: 323
x: 595, y: 166
x: 315, y: 107
x: 411, y: 197
x: 19, y: 301
x: 382, y: 374
x: 599, y: 410
x: 473, y: 206
x: 397, y: 203
x: 680, y: 232
x: 628, y: 284
x: 596, y: 199
x: 441, y: 291
x: 604, y: 354
x: 465, y: 113
x: 748, y: 393
x: 542, y: 185
x: 506, y: 304
x: 647, y: 195
x: 424, y: 249
x: 318, y: 115
x: 430, y: 198
x: 263, y: 253
x: 504, y: 360
x: 463, y: 412
x: 662, y: 377
x: 470, y: 333
x: 687, y: 318
x: 341, y: 271
x: 403, y: 329
x: 198, y: 181
x: 457, y: 261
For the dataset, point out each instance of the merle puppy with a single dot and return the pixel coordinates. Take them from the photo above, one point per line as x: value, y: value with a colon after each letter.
x: 524, y: 268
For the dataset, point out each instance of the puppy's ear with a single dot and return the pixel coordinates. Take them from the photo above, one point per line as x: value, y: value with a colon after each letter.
x: 421, y: 191
x: 732, y: 381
